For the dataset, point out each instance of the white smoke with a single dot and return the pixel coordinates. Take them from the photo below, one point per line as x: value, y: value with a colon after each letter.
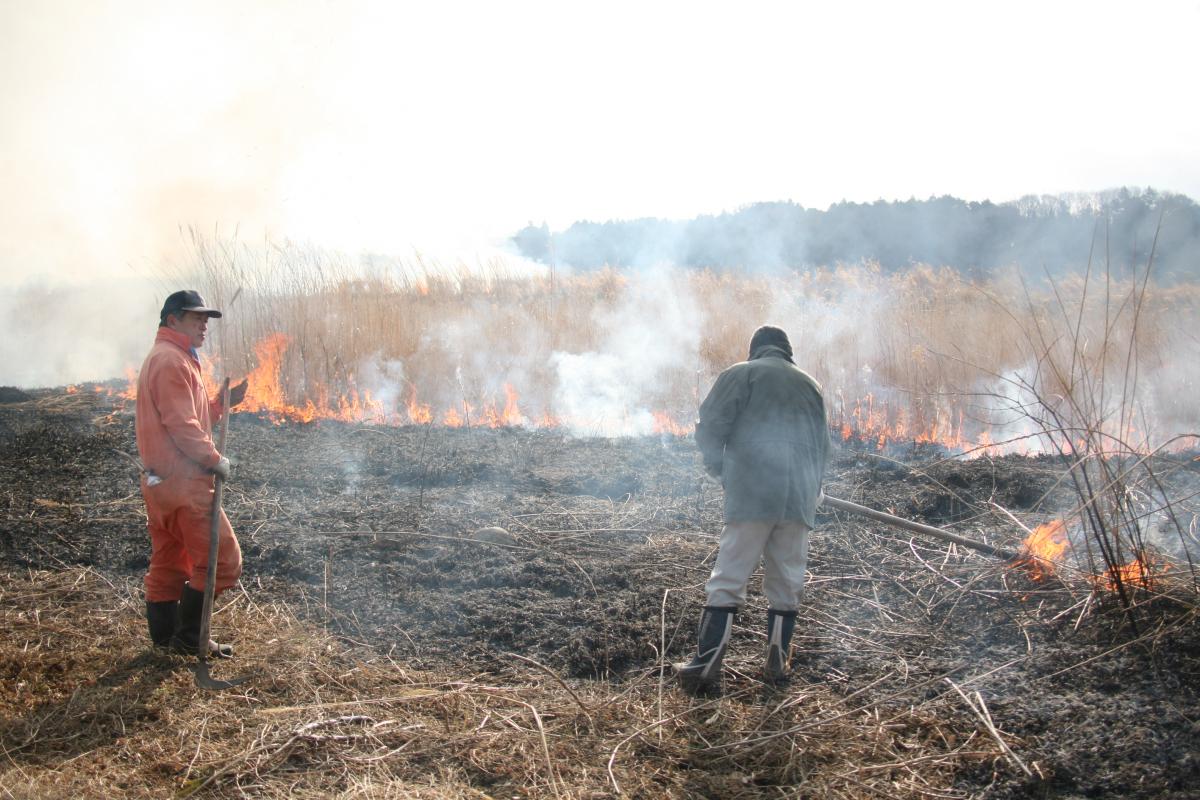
x: 90, y: 332
x: 595, y: 396
x: 383, y: 378
x: 653, y: 330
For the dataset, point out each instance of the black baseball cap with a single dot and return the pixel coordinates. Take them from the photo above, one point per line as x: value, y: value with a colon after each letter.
x: 186, y: 300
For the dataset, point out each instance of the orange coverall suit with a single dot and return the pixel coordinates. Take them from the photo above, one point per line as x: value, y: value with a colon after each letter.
x: 174, y: 420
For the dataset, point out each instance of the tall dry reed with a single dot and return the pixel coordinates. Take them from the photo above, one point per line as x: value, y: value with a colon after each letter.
x: 923, y: 353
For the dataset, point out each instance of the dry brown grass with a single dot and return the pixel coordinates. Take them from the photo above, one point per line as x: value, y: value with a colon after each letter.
x: 924, y: 352
x: 87, y: 711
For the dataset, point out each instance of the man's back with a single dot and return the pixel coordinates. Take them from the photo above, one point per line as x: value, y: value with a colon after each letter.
x: 783, y: 403
x: 764, y: 424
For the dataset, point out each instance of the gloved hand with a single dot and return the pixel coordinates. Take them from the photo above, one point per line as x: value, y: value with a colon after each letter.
x: 238, y: 393
x: 222, y: 469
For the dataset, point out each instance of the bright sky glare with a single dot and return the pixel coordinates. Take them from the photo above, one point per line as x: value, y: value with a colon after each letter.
x: 444, y: 127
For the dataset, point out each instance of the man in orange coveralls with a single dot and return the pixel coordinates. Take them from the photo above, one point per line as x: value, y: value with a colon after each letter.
x: 174, y: 423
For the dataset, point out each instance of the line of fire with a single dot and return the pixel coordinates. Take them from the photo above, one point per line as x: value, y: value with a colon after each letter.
x: 864, y: 423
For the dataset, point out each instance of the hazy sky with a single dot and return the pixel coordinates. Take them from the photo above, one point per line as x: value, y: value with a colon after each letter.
x: 446, y: 126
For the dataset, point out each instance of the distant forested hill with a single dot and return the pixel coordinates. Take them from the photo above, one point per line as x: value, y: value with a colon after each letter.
x: 1052, y: 233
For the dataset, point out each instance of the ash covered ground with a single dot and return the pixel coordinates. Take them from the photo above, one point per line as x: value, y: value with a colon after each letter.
x: 370, y: 532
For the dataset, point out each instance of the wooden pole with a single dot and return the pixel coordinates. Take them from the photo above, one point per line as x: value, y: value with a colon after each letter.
x: 917, y: 527
x: 214, y: 530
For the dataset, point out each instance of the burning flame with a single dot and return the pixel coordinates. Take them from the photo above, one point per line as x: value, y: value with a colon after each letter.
x: 1042, y: 548
x: 1046, y: 546
x: 878, y: 424
x: 267, y: 395
x: 280, y: 374
x: 1140, y: 573
x: 664, y: 423
x: 510, y: 415
x: 453, y: 419
x: 418, y: 413
x: 130, y: 391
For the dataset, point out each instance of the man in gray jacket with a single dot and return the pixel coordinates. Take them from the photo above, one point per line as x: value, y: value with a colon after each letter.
x: 763, y: 432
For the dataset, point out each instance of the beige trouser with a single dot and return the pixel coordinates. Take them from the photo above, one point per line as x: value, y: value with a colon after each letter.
x: 783, y: 548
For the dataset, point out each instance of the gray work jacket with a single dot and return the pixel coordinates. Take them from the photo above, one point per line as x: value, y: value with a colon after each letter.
x: 763, y: 431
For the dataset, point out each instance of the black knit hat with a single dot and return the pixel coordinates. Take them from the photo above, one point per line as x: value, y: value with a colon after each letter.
x: 770, y: 335
x: 184, y: 300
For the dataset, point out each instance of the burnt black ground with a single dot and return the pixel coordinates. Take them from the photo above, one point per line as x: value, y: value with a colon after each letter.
x: 368, y: 530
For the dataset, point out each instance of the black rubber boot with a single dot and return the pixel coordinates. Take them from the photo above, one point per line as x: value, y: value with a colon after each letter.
x: 780, y: 624
x: 702, y: 675
x: 187, y: 635
x: 162, y: 617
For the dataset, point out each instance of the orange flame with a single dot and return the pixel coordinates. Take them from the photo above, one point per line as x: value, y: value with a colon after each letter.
x: 1043, y: 548
x: 130, y: 392
x: 665, y: 424
x: 1140, y: 573
x: 1046, y: 546
x: 510, y: 415
x: 418, y: 413
x: 266, y: 392
x: 868, y: 420
x: 452, y: 419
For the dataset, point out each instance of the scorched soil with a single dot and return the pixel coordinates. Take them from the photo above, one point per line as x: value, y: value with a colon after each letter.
x: 371, y: 531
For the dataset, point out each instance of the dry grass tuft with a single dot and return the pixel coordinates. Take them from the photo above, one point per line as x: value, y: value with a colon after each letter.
x: 87, y: 710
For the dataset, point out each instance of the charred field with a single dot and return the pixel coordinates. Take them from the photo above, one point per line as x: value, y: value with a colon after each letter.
x: 397, y: 652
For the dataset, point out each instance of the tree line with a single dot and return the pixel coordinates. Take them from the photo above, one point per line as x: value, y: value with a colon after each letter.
x: 1038, y: 234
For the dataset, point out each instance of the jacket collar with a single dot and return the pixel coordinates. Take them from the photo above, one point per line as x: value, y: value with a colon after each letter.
x: 770, y: 351
x: 178, y: 339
